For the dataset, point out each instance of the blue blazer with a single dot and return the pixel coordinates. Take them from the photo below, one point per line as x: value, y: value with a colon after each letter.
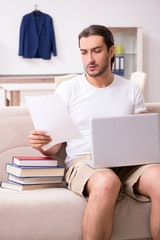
x: 37, y: 39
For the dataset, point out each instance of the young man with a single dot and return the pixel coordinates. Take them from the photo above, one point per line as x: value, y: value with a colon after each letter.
x: 100, y: 93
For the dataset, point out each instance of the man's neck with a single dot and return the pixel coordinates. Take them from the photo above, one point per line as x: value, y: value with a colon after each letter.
x: 101, y: 81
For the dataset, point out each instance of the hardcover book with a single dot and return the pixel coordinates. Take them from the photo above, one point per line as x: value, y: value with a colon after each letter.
x: 34, y: 180
x: 30, y: 161
x: 20, y: 187
x: 34, y: 171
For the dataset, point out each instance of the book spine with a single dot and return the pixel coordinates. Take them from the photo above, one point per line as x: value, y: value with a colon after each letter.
x: 117, y: 65
x: 121, y: 71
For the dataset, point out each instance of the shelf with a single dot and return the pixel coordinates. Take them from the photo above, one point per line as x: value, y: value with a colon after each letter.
x: 130, y: 38
x: 125, y: 54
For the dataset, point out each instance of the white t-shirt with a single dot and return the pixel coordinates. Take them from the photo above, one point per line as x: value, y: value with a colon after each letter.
x: 84, y: 101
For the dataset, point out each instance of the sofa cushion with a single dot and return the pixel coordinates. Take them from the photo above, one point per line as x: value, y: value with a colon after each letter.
x: 45, y: 214
x: 57, y: 213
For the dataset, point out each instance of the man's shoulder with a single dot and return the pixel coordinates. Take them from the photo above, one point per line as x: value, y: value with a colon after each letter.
x: 73, y: 82
x: 121, y: 81
x: 120, y: 78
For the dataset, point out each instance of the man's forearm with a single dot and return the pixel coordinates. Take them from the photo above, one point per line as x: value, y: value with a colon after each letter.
x: 51, y: 151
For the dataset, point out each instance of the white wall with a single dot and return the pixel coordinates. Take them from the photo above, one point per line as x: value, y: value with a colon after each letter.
x: 69, y: 18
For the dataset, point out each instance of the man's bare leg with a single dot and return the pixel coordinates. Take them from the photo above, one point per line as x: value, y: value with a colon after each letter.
x: 102, y: 188
x: 149, y: 185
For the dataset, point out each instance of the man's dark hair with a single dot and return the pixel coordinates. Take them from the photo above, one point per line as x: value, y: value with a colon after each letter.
x: 101, y: 31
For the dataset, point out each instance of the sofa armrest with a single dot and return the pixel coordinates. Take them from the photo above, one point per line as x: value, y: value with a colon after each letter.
x: 15, y: 126
x: 153, y: 107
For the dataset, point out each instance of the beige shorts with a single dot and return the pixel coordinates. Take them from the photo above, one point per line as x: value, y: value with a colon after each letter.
x: 79, y: 173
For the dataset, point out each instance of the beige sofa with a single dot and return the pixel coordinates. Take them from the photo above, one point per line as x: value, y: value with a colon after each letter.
x: 53, y: 214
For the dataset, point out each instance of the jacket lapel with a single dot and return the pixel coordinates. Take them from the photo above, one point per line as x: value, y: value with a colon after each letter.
x: 41, y: 22
x: 34, y: 23
x: 37, y: 25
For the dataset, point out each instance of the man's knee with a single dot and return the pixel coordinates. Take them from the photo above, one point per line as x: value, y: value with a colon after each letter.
x: 104, y: 183
x: 154, y: 177
x: 149, y: 182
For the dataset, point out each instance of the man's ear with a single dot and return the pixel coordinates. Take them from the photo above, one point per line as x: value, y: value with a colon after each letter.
x: 111, y: 51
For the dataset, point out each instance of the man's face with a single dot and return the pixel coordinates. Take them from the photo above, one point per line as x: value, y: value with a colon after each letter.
x: 94, y: 55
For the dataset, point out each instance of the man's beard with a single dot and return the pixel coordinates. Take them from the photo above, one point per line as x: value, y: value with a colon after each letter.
x: 101, y: 71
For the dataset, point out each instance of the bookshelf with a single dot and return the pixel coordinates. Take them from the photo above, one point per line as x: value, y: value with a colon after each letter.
x: 130, y: 38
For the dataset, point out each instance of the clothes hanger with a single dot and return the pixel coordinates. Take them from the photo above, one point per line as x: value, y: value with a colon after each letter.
x: 36, y: 11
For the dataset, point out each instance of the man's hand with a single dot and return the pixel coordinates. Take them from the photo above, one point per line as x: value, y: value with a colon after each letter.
x: 38, y: 139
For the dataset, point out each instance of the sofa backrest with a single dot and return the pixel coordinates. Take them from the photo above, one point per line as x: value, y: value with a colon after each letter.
x: 15, y: 126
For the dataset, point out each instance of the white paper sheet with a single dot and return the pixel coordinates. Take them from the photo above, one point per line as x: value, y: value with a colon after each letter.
x: 49, y: 113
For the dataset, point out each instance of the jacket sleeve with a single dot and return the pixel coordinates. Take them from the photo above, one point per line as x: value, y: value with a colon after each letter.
x: 21, y: 37
x: 53, y: 41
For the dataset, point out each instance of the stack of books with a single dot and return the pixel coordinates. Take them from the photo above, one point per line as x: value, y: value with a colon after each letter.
x: 26, y: 173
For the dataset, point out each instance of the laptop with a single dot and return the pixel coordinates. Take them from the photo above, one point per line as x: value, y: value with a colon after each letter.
x: 125, y: 140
